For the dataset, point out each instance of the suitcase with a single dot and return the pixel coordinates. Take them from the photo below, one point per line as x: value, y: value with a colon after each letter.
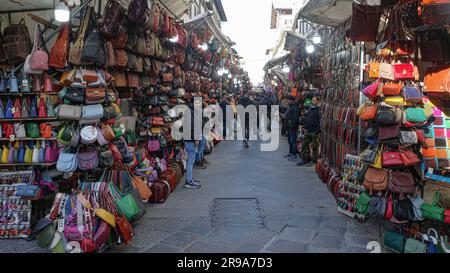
x: 160, y: 189
x: 171, y: 177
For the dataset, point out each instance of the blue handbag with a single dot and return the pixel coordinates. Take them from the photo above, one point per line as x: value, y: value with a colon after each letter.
x: 21, y: 156
x: 33, y: 108
x: 2, y: 111
x: 412, y: 94
x: 372, y: 140
x: 27, y: 190
x: 9, y: 107
x: 3, y: 83
x: 13, y: 84
x: 50, y: 108
x: 92, y: 112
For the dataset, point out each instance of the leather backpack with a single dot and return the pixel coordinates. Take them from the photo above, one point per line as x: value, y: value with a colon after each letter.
x: 137, y: 12
x: 76, y: 50
x: 94, y: 47
x: 154, y: 16
x: 58, y: 54
x: 16, y: 42
x: 114, y: 13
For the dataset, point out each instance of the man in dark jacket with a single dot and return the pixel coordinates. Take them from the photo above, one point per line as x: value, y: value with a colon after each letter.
x: 223, y: 105
x: 311, y: 134
x: 245, y: 124
x: 292, y: 123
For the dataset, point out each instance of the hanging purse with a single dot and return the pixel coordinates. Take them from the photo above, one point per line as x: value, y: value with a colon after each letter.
x: 68, y: 112
x: 9, y: 109
x: 24, y: 110
x: 19, y: 130
x: 59, y: 51
x: 32, y: 130
x: 402, y: 183
x: 50, y: 109
x: 17, y: 111
x: 412, y: 94
x: 391, y: 159
x: 386, y: 133
x: 51, y: 153
x: 33, y: 108
x: 39, y: 58
x: 21, y: 154
x: 409, y: 158
x: 42, y: 111
x: 415, y: 115
x: 67, y: 162
x: 87, y: 160
x: 408, y: 137
x: 387, y: 71
x: 35, y: 157
x: 95, y: 95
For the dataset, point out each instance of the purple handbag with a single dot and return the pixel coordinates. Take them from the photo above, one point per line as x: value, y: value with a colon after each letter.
x: 412, y: 94
x: 11, y: 154
x: 87, y: 161
x: 52, y: 153
x: 101, y: 138
x: 153, y: 145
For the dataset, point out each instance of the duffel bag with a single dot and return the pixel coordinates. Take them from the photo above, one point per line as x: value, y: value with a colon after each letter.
x: 160, y: 189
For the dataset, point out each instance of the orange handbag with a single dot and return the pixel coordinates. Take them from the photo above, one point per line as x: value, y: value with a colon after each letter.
x: 430, y: 142
x: 58, y: 54
x: 441, y: 153
x: 392, y: 89
x: 374, y: 70
x: 369, y: 112
x: 437, y: 79
x: 429, y: 152
x: 431, y: 2
x: 120, y: 79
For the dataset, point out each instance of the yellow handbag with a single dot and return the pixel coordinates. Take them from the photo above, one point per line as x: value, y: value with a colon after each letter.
x: 117, y: 108
x: 378, y: 161
x: 155, y: 130
x: 67, y: 77
x: 374, y: 70
x: 101, y: 213
x: 28, y: 155
x: 5, y: 154
x: 396, y: 101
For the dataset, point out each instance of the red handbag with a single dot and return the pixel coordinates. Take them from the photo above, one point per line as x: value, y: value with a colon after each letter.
x: 48, y: 85
x: 371, y: 91
x: 389, y: 209
x: 391, y: 159
x: 403, y: 71
x: 8, y: 130
x: 125, y: 229
x: 17, y: 109
x: 409, y: 158
x: 116, y: 153
x: 420, y: 136
x: 447, y: 216
x: 42, y: 110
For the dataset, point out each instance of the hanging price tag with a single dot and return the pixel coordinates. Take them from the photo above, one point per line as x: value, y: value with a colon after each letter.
x: 61, y: 225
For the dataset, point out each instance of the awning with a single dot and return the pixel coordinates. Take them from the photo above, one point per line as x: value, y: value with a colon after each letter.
x: 327, y: 12
x: 26, y: 5
x: 177, y: 7
x: 280, y: 74
x: 276, y: 62
x: 292, y: 41
x: 205, y: 20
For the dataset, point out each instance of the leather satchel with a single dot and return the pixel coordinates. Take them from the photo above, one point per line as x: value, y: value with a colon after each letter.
x: 393, y: 89
x: 437, y: 79
x: 138, y: 12
x: 76, y: 50
x: 376, y: 180
x: 69, y: 112
x: 400, y: 182
x: 409, y: 158
x: 87, y: 161
x: 95, y: 95
x: 59, y: 51
x: 365, y: 22
x: 403, y: 72
x: 121, y: 58
x: 16, y: 42
x: 385, y: 133
x: 120, y: 79
x: 391, y: 159
x: 113, y: 15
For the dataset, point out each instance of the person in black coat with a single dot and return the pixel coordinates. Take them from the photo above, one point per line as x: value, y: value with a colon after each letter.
x: 311, y: 134
x: 292, y: 116
x: 245, y: 124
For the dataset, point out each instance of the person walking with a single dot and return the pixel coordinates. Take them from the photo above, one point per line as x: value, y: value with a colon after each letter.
x: 284, y: 105
x: 245, y: 124
x: 311, y: 134
x: 292, y: 116
x: 191, y: 146
x: 223, y: 106
x: 200, y: 161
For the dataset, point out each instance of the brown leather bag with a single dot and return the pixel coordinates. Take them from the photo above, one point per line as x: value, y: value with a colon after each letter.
x: 121, y: 58
x: 171, y: 177
x: 160, y: 189
x: 120, y: 79
x: 95, y: 95
x: 437, y: 79
x: 369, y: 112
x: 133, y: 80
x: 376, y: 180
x: 114, y: 13
x: 58, y: 54
x: 111, y: 56
x: 76, y: 50
x: 402, y: 183
x: 365, y: 22
x: 108, y: 132
x: 121, y: 39
x: 139, y: 64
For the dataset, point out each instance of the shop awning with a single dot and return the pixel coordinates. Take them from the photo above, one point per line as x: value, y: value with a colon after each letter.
x: 20, y: 5
x: 292, y: 41
x: 327, y: 12
x: 205, y: 20
x: 177, y: 7
x: 276, y: 62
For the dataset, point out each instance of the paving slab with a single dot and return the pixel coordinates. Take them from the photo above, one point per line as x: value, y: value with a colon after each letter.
x: 286, y: 246
x: 180, y: 239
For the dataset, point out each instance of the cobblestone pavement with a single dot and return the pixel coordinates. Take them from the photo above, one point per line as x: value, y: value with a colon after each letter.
x: 298, y: 212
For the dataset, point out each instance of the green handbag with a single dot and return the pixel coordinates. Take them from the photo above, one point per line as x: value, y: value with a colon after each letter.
x: 434, y: 211
x: 131, y: 136
x: 32, y: 130
x: 362, y: 205
x: 66, y: 133
x: 118, y: 131
x: 125, y: 203
x: 413, y: 245
x: 394, y: 241
x: 416, y: 115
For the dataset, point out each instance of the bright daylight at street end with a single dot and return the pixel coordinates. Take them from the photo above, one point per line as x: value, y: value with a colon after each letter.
x: 225, y: 127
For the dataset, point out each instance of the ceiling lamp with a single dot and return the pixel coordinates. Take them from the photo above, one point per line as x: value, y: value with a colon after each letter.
x: 203, y: 46
x: 62, y: 13
x: 316, y: 38
x: 174, y: 39
x: 286, y: 69
x: 310, y: 49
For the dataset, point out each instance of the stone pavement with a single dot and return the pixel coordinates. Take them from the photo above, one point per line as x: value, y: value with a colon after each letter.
x: 297, y: 211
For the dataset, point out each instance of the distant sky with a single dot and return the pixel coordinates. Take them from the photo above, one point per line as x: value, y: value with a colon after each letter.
x: 249, y: 27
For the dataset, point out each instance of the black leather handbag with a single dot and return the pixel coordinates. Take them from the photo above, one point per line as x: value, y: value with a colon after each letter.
x: 403, y: 210
x: 109, y: 112
x: 75, y: 95
x: 386, y: 116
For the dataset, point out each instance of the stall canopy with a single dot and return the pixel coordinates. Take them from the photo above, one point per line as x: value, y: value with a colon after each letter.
x: 204, y: 21
x: 276, y: 62
x: 177, y: 7
x: 293, y: 41
x: 327, y: 12
x: 21, y: 5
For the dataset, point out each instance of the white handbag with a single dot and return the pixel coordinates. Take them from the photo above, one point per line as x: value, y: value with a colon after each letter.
x: 387, y: 71
x: 35, y: 154
x: 26, y: 66
x: 408, y: 137
x: 19, y: 130
x: 89, y: 135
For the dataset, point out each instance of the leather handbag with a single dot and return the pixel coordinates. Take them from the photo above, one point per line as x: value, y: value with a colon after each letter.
x: 393, y: 89
x: 362, y: 203
x: 89, y: 135
x: 412, y: 94
x: 76, y: 50
x: 17, y: 111
x: 59, y: 52
x: 101, y: 139
x: 394, y: 241
x: 376, y: 180
x: 32, y: 130
x: 369, y: 112
x: 107, y: 132
x: 95, y: 95
x: 417, y: 202
x: 39, y: 58
x: 67, y: 162
x: 42, y: 112
x: 133, y: 80
x: 374, y: 70
x: 106, y: 158
x: 415, y: 115
x: 403, y: 210
x: 365, y: 22
x: 68, y: 112
x: 93, y: 47
x: 386, y: 116
x: 50, y: 108
x: 412, y: 245
x: 402, y: 183
x: 120, y: 79
x: 434, y: 211
x: 385, y: 133
x: 138, y: 12
x: 121, y: 58
x: 403, y: 72
x: 371, y: 91
x: 160, y: 189
x: 109, y: 112
x: 19, y: 130
x: 391, y: 159
x: 51, y: 153
x: 8, y: 130
x: 408, y: 137
x: 92, y: 112
x: 369, y: 155
x: 13, y: 84
x: 434, y: 40
x: 113, y: 15
x: 437, y: 79
x: 394, y: 101
x: 87, y: 160
x: 387, y: 71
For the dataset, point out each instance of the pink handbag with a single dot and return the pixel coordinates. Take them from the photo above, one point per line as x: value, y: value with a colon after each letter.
x: 371, y: 91
x: 39, y: 58
x: 101, y: 138
x: 153, y: 145
x: 87, y: 161
x: 51, y: 153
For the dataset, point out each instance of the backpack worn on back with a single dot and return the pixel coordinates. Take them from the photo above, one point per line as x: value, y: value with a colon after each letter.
x: 16, y: 42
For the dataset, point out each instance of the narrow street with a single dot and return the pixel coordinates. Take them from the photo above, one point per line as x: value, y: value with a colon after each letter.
x: 298, y: 213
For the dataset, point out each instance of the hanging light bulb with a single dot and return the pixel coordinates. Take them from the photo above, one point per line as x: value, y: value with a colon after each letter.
x: 203, y: 46
x: 225, y: 71
x: 310, y: 49
x: 316, y: 38
x: 62, y: 13
x: 286, y: 69
x: 220, y: 72
x: 174, y: 39
x: 230, y: 76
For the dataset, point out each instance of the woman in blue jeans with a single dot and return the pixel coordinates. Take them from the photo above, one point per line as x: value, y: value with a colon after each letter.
x: 191, y: 150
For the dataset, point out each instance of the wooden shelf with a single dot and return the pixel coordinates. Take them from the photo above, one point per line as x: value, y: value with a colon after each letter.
x: 25, y: 164
x: 27, y: 138
x: 27, y: 93
x: 29, y: 119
